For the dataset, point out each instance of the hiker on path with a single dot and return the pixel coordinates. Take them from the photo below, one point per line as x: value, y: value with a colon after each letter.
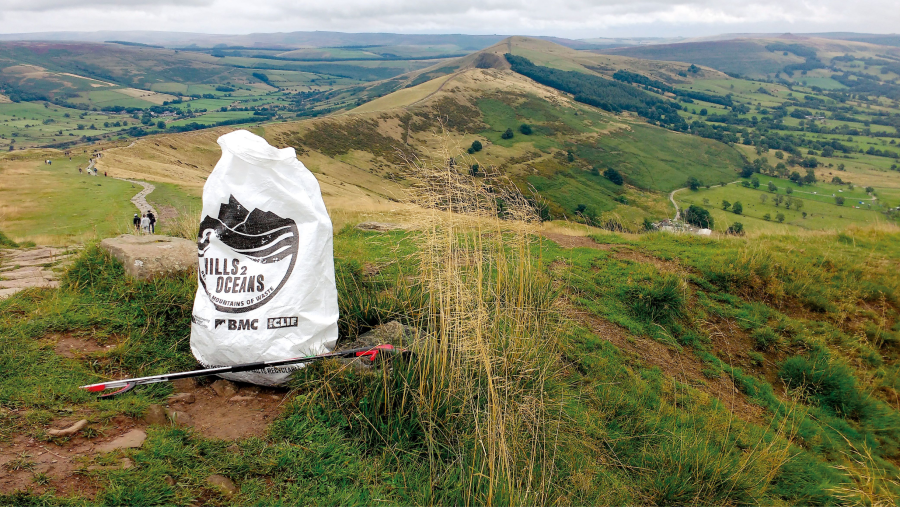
x: 145, y: 223
x: 104, y: 174
x: 79, y: 170
x: 152, y: 218
x: 137, y: 223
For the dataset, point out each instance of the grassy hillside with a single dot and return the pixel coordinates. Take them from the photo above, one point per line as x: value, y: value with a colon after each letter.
x: 556, y: 363
x: 747, y: 57
x: 663, y: 368
x: 360, y: 157
x: 104, y: 91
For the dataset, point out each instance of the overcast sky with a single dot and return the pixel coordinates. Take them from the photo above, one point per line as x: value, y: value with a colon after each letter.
x: 565, y: 18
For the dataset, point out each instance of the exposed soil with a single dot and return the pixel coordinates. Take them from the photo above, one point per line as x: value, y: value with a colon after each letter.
x: 246, y: 414
x: 566, y: 241
x: 61, y: 464
x: 619, y: 251
x: 683, y: 367
x: 75, y: 347
x: 641, y: 258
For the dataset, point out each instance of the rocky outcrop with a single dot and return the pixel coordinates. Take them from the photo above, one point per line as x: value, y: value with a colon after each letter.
x: 31, y: 267
x: 146, y: 257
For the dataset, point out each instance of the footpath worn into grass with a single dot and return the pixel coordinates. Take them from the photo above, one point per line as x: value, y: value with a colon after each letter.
x: 679, y: 370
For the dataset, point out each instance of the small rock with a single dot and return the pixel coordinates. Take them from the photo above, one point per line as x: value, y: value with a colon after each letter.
x: 149, y: 256
x: 179, y: 418
x: 131, y: 440
x: 236, y: 399
x: 222, y: 483
x: 155, y: 414
x: 184, y: 385
x: 71, y: 430
x: 182, y: 398
x: 168, y: 480
x: 126, y: 464
x: 234, y: 449
x: 393, y: 332
x: 224, y: 388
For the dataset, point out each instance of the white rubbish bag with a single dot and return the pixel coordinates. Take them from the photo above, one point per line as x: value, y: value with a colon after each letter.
x: 266, y: 263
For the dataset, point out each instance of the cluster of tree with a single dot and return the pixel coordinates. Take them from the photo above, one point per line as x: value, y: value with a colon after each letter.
x: 862, y: 83
x: 699, y: 216
x: 262, y: 77
x: 736, y: 229
x: 737, y: 208
x: 475, y: 148
x: 809, y: 54
x: 686, y: 95
x: 603, y: 93
x: 614, y: 176
x: 881, y: 153
x: 199, y: 126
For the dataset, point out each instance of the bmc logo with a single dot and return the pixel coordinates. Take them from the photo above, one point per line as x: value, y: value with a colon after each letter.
x: 238, y: 324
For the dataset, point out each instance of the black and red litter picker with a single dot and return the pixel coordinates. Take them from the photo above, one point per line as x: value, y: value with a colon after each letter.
x: 372, y: 353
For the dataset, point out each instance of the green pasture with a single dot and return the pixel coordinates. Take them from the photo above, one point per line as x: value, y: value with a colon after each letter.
x: 820, y: 191
x: 637, y: 412
x: 820, y: 214
x: 54, y: 204
x: 826, y: 83
x: 105, y: 98
x: 24, y: 122
x: 658, y: 159
x: 213, y: 117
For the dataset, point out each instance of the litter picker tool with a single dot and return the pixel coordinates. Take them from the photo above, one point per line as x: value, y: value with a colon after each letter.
x: 123, y: 386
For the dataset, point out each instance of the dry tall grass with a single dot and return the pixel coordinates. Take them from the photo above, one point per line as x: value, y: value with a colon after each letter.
x: 490, y: 348
x: 186, y: 224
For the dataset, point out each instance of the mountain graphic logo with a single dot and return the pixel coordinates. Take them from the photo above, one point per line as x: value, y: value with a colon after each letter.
x: 245, y: 256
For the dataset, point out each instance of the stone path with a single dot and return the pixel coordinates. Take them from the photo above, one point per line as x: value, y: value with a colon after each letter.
x: 140, y: 199
x: 31, y: 267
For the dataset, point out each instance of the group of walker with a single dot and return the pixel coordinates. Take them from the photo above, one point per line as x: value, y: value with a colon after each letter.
x: 145, y: 223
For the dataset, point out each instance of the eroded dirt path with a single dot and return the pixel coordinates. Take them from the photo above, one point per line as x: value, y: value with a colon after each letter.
x: 34, y: 459
x: 681, y: 365
x: 140, y: 199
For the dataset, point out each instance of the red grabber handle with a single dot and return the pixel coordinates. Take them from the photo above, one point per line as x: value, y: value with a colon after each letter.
x: 373, y: 354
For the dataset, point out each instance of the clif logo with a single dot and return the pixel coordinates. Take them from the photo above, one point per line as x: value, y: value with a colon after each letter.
x: 280, y: 322
x: 239, y: 324
x: 245, y: 256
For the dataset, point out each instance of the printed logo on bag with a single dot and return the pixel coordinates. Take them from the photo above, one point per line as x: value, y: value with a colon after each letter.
x: 280, y: 322
x: 246, y: 256
x: 238, y: 324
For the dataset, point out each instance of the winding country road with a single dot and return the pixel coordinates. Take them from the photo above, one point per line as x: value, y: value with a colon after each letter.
x: 672, y: 197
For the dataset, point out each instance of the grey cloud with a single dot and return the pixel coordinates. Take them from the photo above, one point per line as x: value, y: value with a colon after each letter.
x: 7, y: 6
x: 562, y: 17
